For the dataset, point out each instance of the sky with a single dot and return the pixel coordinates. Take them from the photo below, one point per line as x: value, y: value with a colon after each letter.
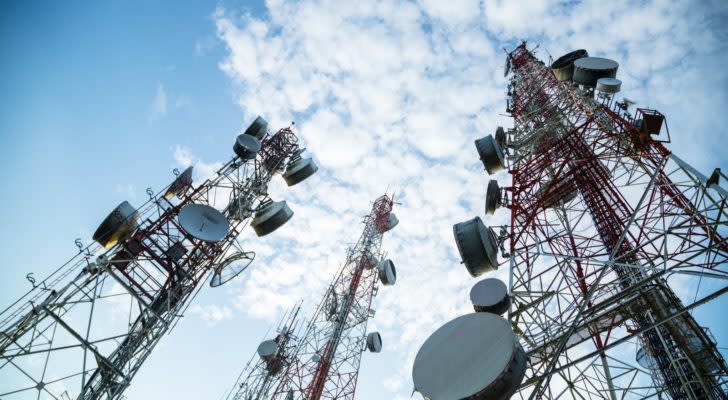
x: 103, y: 99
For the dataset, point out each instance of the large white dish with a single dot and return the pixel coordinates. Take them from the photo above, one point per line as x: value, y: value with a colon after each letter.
x: 203, y: 222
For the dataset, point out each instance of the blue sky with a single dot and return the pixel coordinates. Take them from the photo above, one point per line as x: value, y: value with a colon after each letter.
x: 103, y: 99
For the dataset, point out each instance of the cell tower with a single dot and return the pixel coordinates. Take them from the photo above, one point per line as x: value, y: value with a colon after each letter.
x: 603, y: 219
x: 85, y: 330
x: 262, y: 373
x: 326, y: 362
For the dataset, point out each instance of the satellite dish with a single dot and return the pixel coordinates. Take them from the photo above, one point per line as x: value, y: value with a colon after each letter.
x: 392, y: 221
x: 203, y: 222
x: 374, y: 342
x: 246, y: 147
x: 475, y: 356
x: 387, y: 273
x: 118, y: 226
x: 492, y: 197
x: 588, y: 70
x: 609, y: 85
x: 298, y: 170
x: 267, y: 350
x: 477, y: 246
x: 490, y: 295
x: 180, y: 184
x: 491, y: 154
x: 231, y: 267
x: 258, y: 128
x: 271, y: 217
x: 563, y: 67
x: 500, y: 136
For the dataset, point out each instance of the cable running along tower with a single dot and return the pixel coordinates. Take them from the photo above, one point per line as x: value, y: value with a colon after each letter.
x: 85, y: 330
x: 327, y: 356
x: 603, y: 220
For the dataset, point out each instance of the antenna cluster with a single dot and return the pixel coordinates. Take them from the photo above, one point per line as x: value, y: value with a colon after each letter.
x: 602, y: 214
x: 146, y: 265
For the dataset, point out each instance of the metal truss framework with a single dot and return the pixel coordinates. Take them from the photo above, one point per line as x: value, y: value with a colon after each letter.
x: 85, y: 330
x: 604, y: 219
x: 326, y: 362
x: 260, y: 375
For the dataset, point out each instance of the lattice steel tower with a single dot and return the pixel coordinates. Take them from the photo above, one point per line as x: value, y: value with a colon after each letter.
x: 326, y: 361
x: 84, y: 331
x: 603, y: 217
x: 262, y: 373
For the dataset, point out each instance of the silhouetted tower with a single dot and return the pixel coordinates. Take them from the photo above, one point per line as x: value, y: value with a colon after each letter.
x: 262, y: 373
x: 602, y: 218
x: 326, y: 362
x: 84, y: 331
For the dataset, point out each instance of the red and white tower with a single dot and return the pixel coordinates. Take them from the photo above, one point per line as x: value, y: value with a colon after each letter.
x: 603, y: 220
x: 85, y: 330
x: 326, y: 361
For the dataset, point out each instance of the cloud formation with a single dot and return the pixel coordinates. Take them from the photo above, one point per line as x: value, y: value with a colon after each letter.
x: 159, y: 104
x: 391, y: 94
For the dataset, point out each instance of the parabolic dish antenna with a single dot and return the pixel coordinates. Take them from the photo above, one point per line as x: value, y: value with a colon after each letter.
x: 563, y: 67
x: 374, y: 342
x: 490, y: 295
x: 492, y: 197
x: 258, y: 128
x: 180, y: 184
x: 387, y: 272
x: 231, y: 267
x: 392, y: 221
x: 267, y: 349
x: 246, y: 147
x: 491, y: 154
x: 477, y: 246
x: 203, y: 222
x: 299, y: 170
x: 475, y: 356
x: 588, y: 70
x: 118, y: 226
x: 609, y: 85
x: 271, y: 217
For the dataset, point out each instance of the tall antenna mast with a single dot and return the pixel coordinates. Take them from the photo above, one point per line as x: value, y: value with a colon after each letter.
x: 85, y: 330
x: 326, y: 362
x: 263, y: 371
x: 603, y: 217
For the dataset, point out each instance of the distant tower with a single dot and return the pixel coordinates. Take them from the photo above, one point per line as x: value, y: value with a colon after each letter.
x: 602, y: 219
x: 326, y: 362
x: 263, y: 371
x: 85, y: 331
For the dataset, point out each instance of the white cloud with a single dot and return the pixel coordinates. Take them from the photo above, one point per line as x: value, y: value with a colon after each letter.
x: 159, y: 104
x: 212, y: 314
x: 183, y: 157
